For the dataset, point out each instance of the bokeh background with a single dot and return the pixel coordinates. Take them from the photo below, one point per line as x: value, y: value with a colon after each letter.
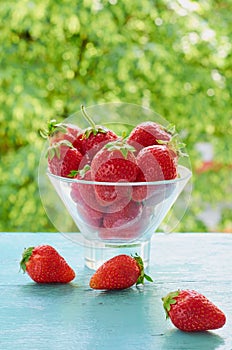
x: 173, y: 56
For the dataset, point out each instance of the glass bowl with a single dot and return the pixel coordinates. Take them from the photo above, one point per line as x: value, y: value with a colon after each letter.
x: 123, y: 225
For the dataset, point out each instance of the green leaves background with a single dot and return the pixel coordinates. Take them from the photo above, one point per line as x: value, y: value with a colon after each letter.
x: 172, y: 56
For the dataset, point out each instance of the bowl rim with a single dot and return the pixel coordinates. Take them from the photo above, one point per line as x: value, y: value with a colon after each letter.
x: 180, y: 168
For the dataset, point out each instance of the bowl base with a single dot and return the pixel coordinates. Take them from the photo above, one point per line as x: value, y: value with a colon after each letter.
x: 95, y: 256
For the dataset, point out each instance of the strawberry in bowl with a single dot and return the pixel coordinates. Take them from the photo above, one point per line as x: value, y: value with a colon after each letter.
x: 123, y: 181
x: 115, y: 162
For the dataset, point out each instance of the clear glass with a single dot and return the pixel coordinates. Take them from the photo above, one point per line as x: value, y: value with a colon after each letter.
x: 80, y: 218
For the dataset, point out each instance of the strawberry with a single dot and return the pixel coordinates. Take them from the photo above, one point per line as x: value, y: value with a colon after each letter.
x: 84, y: 193
x: 93, y: 138
x: 45, y: 265
x: 120, y: 272
x: 78, y: 142
x: 115, y: 162
x: 191, y: 311
x: 149, y: 133
x: 116, y: 227
x: 120, y: 204
x: 81, y: 174
x: 63, y: 158
x: 57, y: 132
x: 126, y: 233
x: 156, y: 163
x: 125, y: 215
x: 91, y: 216
x: 120, y: 221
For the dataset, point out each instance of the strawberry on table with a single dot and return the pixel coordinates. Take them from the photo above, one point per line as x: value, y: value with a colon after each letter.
x: 191, y: 311
x: 115, y: 162
x: 45, y: 265
x: 63, y: 158
x: 149, y: 133
x: 120, y: 272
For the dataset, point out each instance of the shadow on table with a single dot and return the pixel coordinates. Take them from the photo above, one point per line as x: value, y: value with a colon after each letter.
x: 49, y: 290
x: 175, y: 339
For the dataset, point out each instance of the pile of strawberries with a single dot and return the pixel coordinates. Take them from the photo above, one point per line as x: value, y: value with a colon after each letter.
x: 188, y: 310
x: 149, y: 153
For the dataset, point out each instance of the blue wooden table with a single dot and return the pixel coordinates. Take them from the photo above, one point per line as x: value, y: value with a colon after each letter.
x: 75, y: 317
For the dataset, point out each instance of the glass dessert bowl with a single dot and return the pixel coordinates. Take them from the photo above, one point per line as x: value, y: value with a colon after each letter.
x: 113, y: 217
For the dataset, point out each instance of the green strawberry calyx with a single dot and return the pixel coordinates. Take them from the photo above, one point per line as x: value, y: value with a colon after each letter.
x: 174, y: 145
x: 81, y: 172
x: 52, y: 128
x: 93, y: 129
x: 169, y: 300
x: 170, y: 128
x: 54, y: 150
x: 142, y: 275
x: 120, y: 145
x: 25, y: 258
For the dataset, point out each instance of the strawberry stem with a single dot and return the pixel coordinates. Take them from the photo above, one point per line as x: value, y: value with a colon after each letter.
x: 88, y: 118
x: 95, y: 129
x: 142, y: 275
x: 25, y: 257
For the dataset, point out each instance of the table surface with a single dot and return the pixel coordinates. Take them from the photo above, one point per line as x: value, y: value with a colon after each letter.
x: 73, y: 316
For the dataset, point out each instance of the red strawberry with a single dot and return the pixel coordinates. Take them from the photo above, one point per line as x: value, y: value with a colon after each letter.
x: 84, y: 193
x: 153, y: 194
x: 78, y: 142
x: 81, y: 174
x: 126, y: 229
x: 92, y: 139
x: 91, y: 216
x: 156, y: 163
x: 45, y: 265
x: 120, y: 272
x: 191, y: 311
x: 120, y: 204
x: 149, y: 133
x: 115, y: 162
x: 57, y: 132
x: 124, y: 216
x: 127, y: 233
x: 117, y: 226
x: 63, y: 158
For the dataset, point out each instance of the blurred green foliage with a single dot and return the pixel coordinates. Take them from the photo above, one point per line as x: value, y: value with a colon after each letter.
x: 174, y: 56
